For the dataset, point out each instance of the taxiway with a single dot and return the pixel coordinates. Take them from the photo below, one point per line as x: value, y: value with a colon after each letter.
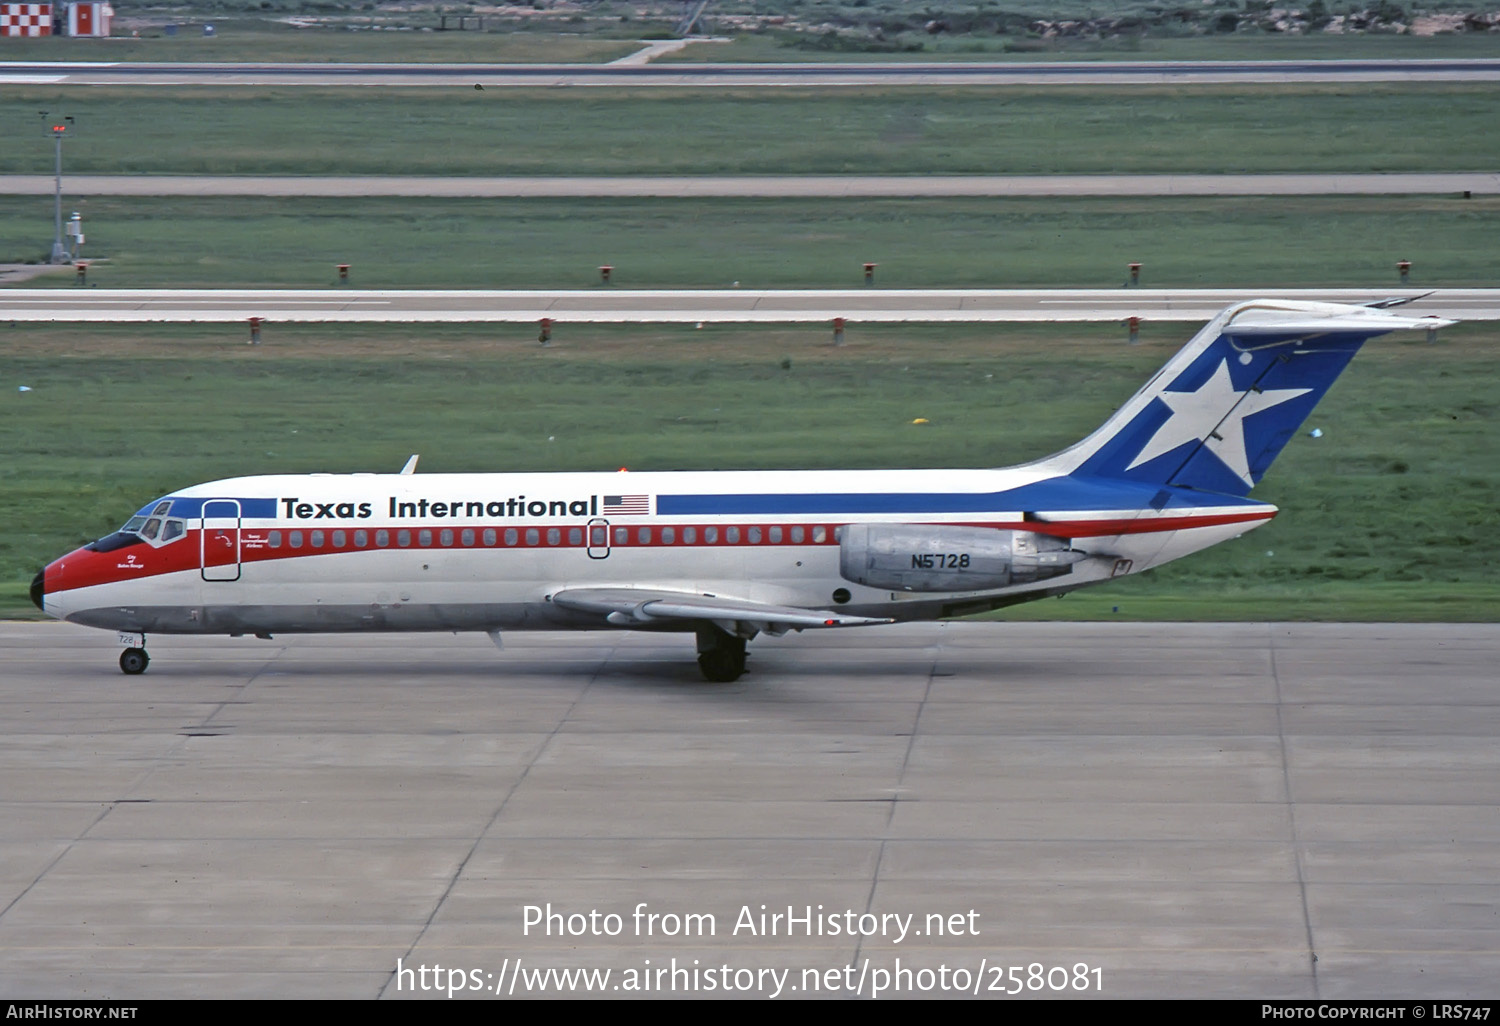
x: 611, y: 305
x: 771, y: 186
x: 1212, y: 810
x: 685, y: 74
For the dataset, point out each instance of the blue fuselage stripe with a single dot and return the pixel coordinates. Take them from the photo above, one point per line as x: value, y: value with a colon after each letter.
x: 191, y: 509
x: 1057, y: 494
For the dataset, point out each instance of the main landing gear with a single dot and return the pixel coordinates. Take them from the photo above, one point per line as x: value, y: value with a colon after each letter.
x: 134, y: 659
x: 721, y: 656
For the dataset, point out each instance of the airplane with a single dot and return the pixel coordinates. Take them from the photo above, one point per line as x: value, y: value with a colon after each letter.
x: 727, y: 555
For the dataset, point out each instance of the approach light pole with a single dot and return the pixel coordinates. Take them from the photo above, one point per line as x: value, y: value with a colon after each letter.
x: 57, y: 128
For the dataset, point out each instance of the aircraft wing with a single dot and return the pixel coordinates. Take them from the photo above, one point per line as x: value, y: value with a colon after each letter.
x: 642, y: 607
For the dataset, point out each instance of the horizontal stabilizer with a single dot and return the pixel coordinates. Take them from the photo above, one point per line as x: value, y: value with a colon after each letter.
x: 1317, y: 318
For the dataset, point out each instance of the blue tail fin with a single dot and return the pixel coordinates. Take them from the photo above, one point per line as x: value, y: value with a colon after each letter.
x: 1221, y: 410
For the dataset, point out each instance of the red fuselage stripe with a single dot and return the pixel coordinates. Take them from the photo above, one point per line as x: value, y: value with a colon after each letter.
x: 84, y: 568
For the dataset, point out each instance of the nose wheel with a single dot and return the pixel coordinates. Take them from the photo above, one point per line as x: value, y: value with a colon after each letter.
x: 134, y: 661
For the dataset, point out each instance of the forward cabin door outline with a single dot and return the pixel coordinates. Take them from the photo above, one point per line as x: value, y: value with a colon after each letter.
x: 219, y: 541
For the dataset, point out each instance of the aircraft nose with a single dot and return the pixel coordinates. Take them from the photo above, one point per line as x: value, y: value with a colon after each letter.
x: 39, y: 588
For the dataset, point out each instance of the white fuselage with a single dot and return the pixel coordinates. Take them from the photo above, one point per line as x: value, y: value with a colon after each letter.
x: 488, y: 551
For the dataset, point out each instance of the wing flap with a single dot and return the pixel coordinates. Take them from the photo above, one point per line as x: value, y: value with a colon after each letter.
x: 625, y: 607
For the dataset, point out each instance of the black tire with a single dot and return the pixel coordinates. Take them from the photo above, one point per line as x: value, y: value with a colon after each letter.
x: 722, y: 667
x: 134, y: 661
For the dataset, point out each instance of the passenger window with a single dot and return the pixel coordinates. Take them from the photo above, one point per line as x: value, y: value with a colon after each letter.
x: 775, y: 535
x: 820, y: 534
x: 361, y: 539
x: 797, y: 535
x: 533, y: 536
x: 554, y: 535
x: 622, y: 536
x: 489, y: 536
x: 732, y: 535
x: 424, y: 537
x: 668, y: 535
x: 338, y: 539
x: 643, y: 536
x: 465, y: 537
x: 445, y: 536
x: 690, y: 536
x: 294, y: 539
x: 316, y: 538
x: 403, y: 538
x: 710, y: 535
x: 382, y: 539
x: 754, y: 536
x: 511, y: 535
x: 575, y: 536
x: 274, y: 539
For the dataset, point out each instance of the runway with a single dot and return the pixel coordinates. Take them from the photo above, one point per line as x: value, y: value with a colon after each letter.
x: 775, y: 186
x: 610, y: 305
x: 1214, y: 810
x: 708, y: 75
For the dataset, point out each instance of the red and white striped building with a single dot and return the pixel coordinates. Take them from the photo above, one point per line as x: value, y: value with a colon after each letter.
x: 25, y: 19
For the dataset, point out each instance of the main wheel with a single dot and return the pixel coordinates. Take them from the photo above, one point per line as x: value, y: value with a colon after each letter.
x: 721, y: 666
x: 134, y: 661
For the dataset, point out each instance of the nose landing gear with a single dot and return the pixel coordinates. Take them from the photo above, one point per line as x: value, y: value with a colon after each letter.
x: 134, y: 659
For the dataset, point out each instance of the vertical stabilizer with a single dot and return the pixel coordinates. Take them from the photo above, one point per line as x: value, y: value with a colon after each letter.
x: 1219, y: 412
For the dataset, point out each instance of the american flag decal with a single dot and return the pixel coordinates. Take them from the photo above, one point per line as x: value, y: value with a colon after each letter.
x: 626, y: 505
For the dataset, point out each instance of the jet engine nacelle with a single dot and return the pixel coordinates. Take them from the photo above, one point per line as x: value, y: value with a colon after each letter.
x: 921, y: 557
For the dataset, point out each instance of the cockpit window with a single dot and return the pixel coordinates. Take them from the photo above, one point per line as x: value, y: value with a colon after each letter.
x: 151, y: 524
x: 154, y: 528
x: 118, y: 540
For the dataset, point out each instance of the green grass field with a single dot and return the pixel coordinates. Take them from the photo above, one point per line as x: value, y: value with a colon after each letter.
x: 236, y: 40
x: 1271, y: 242
x: 512, y: 41
x: 1389, y: 515
x: 772, y: 46
x: 1022, y: 130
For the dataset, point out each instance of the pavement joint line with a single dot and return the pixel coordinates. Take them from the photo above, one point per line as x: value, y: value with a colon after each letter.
x: 1289, y: 797
x: 479, y: 837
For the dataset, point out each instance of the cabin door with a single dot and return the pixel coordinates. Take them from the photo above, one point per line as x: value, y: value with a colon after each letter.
x: 219, y: 541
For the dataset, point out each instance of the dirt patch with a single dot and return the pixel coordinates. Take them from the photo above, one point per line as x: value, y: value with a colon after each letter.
x: 10, y: 274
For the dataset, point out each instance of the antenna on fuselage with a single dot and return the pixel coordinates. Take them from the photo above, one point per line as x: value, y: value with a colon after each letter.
x: 411, y: 464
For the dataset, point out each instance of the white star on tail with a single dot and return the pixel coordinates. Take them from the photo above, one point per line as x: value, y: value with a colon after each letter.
x: 1214, y: 407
